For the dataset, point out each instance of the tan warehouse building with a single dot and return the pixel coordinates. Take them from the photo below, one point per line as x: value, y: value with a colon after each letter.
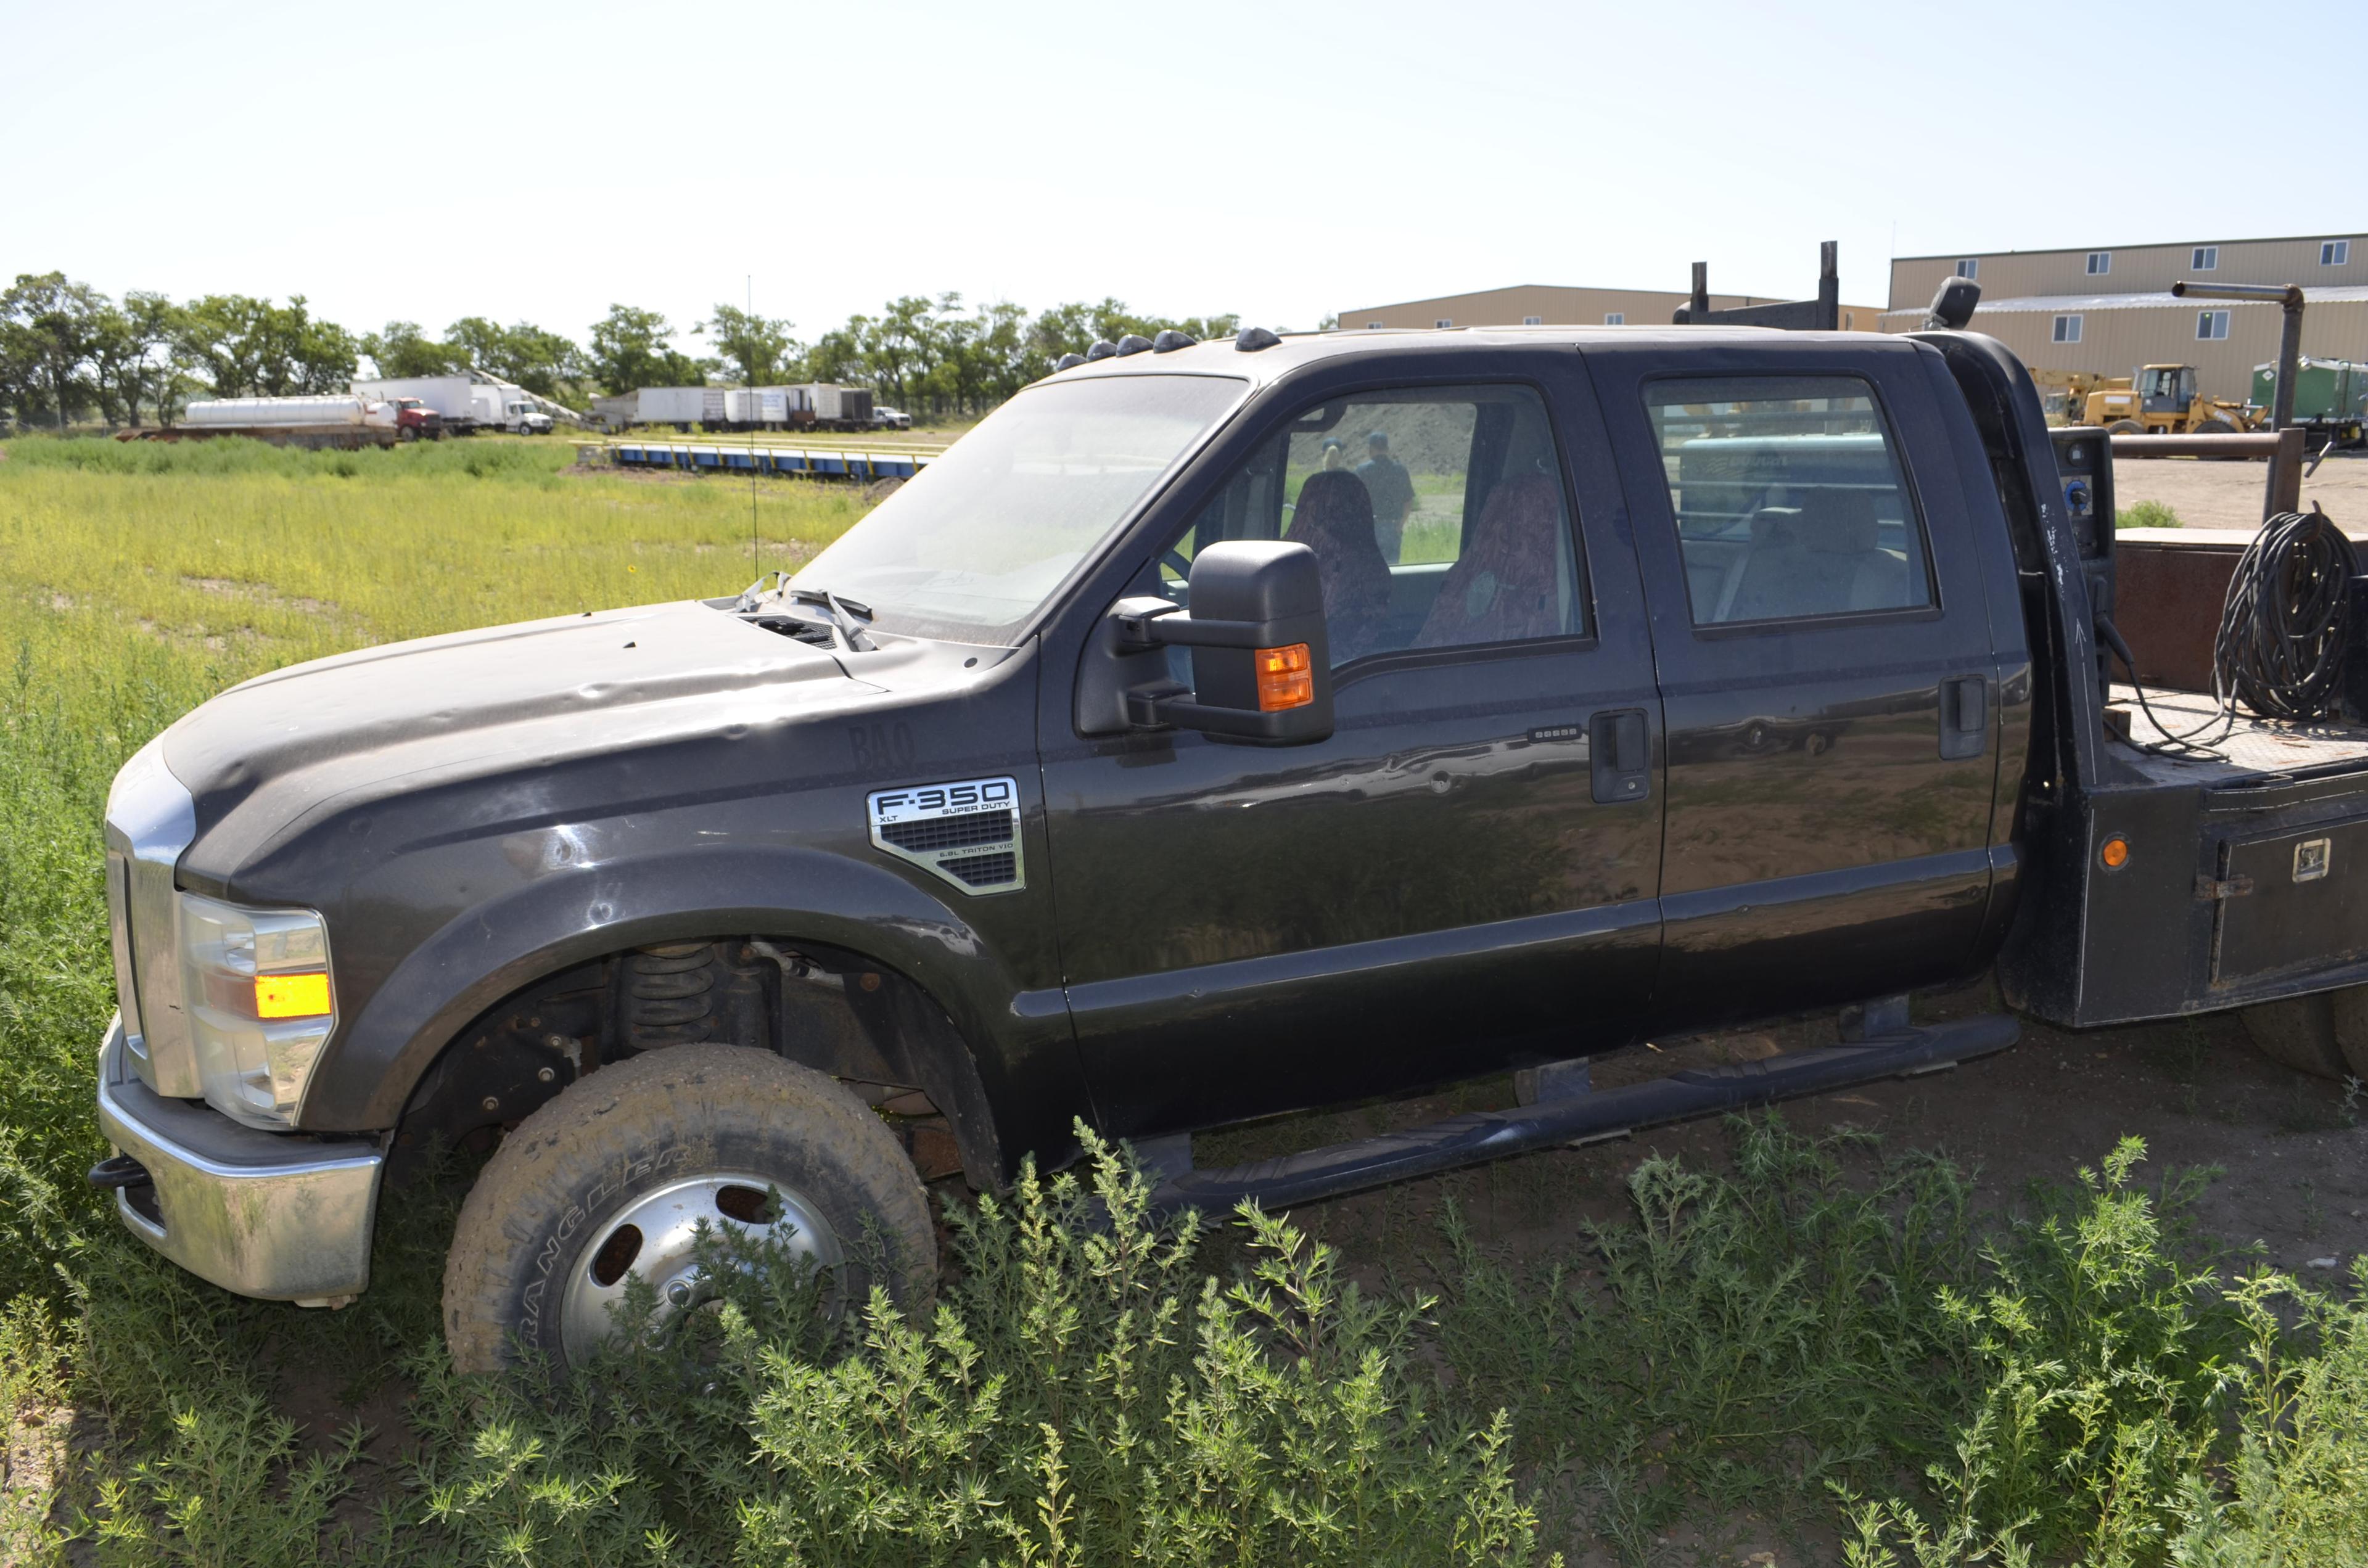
x: 1545, y: 304
x: 2109, y: 309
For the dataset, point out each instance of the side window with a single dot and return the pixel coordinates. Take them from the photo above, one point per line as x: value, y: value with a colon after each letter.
x: 1788, y: 497
x: 1438, y: 518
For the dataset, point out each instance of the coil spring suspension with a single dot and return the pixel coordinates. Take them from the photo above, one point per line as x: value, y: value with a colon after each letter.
x: 670, y: 996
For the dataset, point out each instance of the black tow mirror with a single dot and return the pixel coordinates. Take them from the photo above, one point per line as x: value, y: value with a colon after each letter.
x: 1261, y: 664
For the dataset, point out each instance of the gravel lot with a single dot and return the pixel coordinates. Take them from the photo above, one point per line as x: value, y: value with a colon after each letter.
x: 2228, y: 494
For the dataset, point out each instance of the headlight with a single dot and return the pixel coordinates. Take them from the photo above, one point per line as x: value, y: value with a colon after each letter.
x: 260, y: 1004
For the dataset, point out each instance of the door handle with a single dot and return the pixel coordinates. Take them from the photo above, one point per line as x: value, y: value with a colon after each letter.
x: 1964, y: 716
x: 1622, y: 755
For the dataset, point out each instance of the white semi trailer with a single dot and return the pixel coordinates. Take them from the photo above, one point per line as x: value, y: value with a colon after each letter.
x: 840, y: 408
x: 329, y: 420
x: 814, y: 403
x: 681, y: 407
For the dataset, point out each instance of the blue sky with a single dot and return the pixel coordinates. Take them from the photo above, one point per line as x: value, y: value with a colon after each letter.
x: 427, y: 161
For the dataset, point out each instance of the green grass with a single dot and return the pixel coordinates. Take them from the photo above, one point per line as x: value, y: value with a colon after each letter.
x: 2145, y: 515
x: 1824, y: 1333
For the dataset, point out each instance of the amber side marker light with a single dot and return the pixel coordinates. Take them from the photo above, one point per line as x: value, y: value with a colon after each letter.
x: 2115, y: 854
x: 1286, y: 677
x: 291, y: 995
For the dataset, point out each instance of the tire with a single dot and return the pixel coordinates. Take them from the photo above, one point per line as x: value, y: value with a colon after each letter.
x: 654, y: 1141
x: 2351, y: 1030
x: 2125, y: 427
x: 2217, y: 427
x: 2324, y: 1036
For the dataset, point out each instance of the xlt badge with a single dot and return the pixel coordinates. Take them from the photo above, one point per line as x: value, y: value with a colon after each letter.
x: 967, y: 831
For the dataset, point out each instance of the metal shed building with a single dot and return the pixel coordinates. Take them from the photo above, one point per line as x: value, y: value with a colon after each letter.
x: 2109, y: 310
x: 1547, y: 304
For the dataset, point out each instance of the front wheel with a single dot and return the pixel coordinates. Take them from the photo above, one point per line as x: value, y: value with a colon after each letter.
x: 2217, y: 426
x: 611, y: 1179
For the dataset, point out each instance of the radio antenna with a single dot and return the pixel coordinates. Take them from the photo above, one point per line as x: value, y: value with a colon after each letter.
x: 755, y: 566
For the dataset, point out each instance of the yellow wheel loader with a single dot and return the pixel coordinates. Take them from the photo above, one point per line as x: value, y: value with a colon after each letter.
x: 2162, y: 400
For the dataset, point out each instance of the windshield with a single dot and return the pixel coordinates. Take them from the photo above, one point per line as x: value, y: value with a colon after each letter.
x: 974, y: 544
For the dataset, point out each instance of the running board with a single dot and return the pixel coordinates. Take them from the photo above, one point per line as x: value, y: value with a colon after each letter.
x: 1582, y: 1118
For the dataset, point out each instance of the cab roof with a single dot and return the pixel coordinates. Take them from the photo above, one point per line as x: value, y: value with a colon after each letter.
x: 1219, y: 356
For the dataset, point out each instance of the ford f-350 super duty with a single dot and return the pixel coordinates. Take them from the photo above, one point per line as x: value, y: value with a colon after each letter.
x: 1216, y: 730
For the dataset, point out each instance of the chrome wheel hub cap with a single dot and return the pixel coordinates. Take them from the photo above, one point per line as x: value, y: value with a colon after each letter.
x: 654, y: 1237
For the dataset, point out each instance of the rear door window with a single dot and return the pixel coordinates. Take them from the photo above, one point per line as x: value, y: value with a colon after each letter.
x: 1790, y: 499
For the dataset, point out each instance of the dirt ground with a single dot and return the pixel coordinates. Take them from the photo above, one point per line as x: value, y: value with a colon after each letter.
x: 2228, y: 494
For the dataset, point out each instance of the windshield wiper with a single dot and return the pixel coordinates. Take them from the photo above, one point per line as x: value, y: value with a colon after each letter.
x: 842, y: 613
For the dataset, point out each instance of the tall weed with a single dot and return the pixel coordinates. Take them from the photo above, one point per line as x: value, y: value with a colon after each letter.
x: 1744, y: 1338
x: 2132, y: 1407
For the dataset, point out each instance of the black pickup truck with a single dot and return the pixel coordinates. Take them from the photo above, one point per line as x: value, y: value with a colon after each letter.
x: 1217, y: 730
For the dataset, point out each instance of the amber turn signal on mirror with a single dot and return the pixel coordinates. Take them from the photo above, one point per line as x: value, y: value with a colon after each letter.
x: 291, y: 995
x: 1286, y: 677
x: 2115, y: 854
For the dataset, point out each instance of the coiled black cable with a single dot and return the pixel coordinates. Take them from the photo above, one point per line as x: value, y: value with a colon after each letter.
x: 2287, y: 622
x: 2284, y: 629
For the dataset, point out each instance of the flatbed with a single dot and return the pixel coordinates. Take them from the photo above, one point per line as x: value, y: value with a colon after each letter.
x: 2242, y: 746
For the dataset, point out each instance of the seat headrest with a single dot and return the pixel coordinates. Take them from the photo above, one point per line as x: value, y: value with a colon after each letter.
x: 1838, y: 522
x: 1332, y: 504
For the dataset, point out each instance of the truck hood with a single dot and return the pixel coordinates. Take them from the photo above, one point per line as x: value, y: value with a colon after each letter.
x: 536, y: 691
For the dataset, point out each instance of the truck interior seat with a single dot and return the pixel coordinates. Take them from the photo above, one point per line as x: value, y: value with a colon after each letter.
x: 1822, y: 558
x: 1334, y: 520
x: 1506, y: 584
x: 1769, y: 529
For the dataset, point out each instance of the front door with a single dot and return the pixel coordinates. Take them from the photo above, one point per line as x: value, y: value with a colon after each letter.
x: 1825, y: 667
x: 1459, y: 878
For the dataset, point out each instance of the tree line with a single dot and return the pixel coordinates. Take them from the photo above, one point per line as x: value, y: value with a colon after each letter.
x: 69, y: 353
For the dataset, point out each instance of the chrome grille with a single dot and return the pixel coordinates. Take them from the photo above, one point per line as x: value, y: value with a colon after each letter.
x: 149, y: 821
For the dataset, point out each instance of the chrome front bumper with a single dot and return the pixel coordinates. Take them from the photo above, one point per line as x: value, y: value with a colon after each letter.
x: 283, y: 1216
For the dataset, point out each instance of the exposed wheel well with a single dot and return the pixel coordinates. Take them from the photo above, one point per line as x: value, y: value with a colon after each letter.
x: 836, y: 1011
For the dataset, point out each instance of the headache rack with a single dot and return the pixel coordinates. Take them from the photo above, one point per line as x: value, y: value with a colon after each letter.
x: 1822, y: 313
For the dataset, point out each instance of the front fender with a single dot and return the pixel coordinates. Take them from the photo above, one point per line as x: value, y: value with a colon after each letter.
x: 1020, y: 1040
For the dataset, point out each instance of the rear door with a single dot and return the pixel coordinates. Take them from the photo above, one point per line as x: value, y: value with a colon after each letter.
x: 1825, y: 670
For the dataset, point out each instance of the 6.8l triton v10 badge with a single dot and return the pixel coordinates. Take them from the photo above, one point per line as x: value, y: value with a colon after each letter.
x: 966, y: 832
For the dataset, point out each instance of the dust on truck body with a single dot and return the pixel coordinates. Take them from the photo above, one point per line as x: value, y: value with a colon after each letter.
x: 1216, y: 730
